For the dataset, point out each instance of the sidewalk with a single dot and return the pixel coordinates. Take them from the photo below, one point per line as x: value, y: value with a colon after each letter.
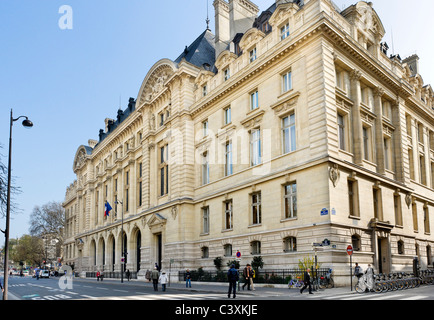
x: 261, y: 290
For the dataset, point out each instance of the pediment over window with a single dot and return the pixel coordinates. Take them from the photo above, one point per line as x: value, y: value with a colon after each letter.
x: 250, y: 38
x: 224, y: 59
x: 283, y: 13
x: 156, y: 221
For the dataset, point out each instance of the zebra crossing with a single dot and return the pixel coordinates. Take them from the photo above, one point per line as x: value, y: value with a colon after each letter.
x: 172, y: 297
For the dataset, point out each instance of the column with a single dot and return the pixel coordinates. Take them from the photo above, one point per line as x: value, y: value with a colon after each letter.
x: 379, y: 135
x: 356, y: 117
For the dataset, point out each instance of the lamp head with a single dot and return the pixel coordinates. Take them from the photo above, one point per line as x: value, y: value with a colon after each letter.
x: 27, y: 123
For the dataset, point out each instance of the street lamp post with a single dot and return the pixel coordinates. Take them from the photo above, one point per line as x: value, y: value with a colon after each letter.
x: 28, y: 124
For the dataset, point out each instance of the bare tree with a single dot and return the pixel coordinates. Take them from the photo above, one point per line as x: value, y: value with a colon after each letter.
x: 48, y: 219
x: 4, y: 189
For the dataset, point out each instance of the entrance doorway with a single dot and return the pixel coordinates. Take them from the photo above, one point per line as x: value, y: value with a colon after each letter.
x: 138, y: 250
x: 159, y: 249
x: 383, y: 256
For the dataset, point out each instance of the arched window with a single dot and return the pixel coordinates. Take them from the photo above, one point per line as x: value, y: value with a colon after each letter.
x: 255, y: 247
x: 401, y: 247
x: 356, y: 243
x: 290, y: 244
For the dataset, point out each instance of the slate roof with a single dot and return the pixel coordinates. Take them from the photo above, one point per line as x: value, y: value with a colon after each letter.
x: 201, y: 52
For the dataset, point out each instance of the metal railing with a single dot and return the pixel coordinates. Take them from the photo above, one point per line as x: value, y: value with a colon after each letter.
x: 277, y: 276
x: 112, y: 275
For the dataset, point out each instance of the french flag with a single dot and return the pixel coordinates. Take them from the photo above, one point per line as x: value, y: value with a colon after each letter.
x: 108, y: 208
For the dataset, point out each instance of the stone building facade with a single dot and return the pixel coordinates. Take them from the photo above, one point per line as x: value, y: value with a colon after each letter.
x: 285, y: 128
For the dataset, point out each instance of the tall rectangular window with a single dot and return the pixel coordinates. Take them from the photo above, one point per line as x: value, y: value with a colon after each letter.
x: 367, y: 144
x: 414, y: 213
x: 164, y: 170
x: 388, y: 154
x: 255, y: 147
x: 205, y: 128
x: 287, y: 81
x: 205, y: 168
x: 228, y: 215
x: 291, y: 201
x: 378, y: 209
x: 341, y: 131
x: 228, y: 158
x: 398, y: 209
x: 353, y: 198
x: 140, y: 185
x: 426, y: 219
x: 284, y: 32
x: 256, y: 208
x: 127, y: 191
x: 252, y: 55
x: 254, y: 100
x: 288, y: 134
x: 432, y: 175
x: 228, y: 115
x: 422, y: 170
x: 227, y: 74
x: 205, y: 220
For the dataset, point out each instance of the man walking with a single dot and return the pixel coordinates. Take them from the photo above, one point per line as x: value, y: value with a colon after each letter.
x: 232, y: 278
x: 307, y: 282
x: 247, y: 274
x: 155, y: 276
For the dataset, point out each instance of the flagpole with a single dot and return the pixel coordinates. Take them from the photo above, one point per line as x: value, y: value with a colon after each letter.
x: 122, y: 240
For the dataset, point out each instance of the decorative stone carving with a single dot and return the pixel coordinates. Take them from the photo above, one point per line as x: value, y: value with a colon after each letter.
x: 334, y: 174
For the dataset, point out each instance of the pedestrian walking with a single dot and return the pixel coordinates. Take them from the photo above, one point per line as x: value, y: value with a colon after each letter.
x: 188, y: 279
x: 358, y: 271
x: 101, y: 275
x: 97, y: 275
x: 1, y: 286
x: 247, y: 275
x: 251, y: 279
x: 148, y: 275
x: 163, y: 280
x: 155, y: 276
x: 158, y: 267
x: 128, y: 273
x: 369, y: 278
x: 307, y: 282
x: 233, y: 277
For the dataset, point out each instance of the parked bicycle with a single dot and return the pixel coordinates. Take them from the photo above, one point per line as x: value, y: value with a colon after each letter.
x: 326, y: 282
x: 295, y: 283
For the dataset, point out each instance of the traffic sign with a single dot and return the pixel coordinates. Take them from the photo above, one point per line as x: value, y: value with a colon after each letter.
x: 238, y: 254
x: 350, y: 250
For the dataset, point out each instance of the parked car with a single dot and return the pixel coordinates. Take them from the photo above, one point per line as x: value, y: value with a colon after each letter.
x: 45, y: 274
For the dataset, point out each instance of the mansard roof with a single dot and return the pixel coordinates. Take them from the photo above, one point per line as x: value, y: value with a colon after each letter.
x: 201, y: 52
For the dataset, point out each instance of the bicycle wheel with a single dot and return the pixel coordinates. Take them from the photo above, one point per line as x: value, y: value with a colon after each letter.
x: 331, y: 284
x: 322, y: 284
x: 358, y: 288
x: 378, y: 287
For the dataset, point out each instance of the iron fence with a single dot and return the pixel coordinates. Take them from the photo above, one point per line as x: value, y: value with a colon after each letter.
x: 112, y: 275
x: 276, y: 276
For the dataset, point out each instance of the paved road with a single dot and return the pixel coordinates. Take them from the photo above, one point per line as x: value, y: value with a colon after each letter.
x: 89, y: 289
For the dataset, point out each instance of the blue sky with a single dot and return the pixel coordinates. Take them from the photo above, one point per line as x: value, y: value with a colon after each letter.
x: 68, y: 81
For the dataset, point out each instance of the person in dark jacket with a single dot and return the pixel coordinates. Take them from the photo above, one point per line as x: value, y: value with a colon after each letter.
x: 247, y: 274
x: 307, y: 282
x: 188, y: 279
x: 232, y: 278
